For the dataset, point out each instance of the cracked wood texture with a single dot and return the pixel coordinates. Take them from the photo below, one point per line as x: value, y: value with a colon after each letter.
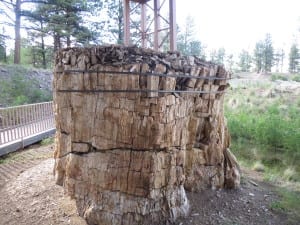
x: 128, y: 157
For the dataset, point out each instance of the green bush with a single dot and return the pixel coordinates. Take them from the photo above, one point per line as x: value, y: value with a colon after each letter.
x: 279, y: 129
x: 279, y: 77
x: 20, y: 100
x: 296, y: 78
x: 16, y: 90
x: 273, y: 130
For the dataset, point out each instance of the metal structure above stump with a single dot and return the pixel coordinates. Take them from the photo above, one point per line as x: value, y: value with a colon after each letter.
x: 160, y: 36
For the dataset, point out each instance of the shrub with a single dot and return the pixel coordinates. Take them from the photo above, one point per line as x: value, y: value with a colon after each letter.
x: 279, y: 77
x: 272, y: 129
x: 16, y: 90
x: 296, y: 78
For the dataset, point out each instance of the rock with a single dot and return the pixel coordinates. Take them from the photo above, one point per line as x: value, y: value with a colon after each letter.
x: 126, y: 154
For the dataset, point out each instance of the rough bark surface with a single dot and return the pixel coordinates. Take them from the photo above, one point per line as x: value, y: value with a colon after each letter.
x: 126, y: 157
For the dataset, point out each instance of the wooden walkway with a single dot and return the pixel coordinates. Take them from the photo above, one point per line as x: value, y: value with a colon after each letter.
x: 23, y: 125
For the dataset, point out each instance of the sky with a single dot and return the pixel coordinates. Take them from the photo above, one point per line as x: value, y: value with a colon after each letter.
x: 239, y: 24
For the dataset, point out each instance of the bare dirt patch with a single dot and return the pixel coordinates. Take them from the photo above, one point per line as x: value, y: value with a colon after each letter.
x: 15, y: 163
x: 248, y: 205
x: 32, y: 198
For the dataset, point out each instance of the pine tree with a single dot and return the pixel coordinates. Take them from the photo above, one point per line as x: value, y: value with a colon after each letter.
x: 244, y: 61
x: 115, y: 22
x: 186, y: 36
x: 63, y: 20
x: 258, y: 56
x: 220, y: 56
x: 229, y: 62
x: 112, y: 27
x: 196, y: 48
x: 294, y: 58
x: 37, y: 33
x: 3, y: 46
x: 187, y: 44
x: 13, y: 12
x: 12, y: 15
x: 264, y: 54
x: 213, y: 55
x: 217, y: 55
x: 278, y: 59
x: 268, y: 57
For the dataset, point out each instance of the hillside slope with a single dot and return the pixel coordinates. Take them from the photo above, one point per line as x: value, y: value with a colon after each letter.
x: 23, y: 85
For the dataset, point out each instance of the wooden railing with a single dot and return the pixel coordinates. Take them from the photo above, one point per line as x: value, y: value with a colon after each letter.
x: 26, y: 120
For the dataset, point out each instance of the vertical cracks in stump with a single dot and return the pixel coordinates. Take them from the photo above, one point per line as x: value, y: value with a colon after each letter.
x: 129, y: 166
x: 163, y: 140
x: 95, y: 113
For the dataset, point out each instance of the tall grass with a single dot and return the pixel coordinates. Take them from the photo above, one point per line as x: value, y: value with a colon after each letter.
x: 265, y: 129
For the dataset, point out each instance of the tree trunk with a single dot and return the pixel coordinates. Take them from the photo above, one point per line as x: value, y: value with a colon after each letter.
x: 68, y: 41
x: 120, y: 24
x: 57, y: 44
x: 34, y: 53
x: 44, y: 64
x: 126, y: 157
x: 17, y: 53
x: 5, y: 56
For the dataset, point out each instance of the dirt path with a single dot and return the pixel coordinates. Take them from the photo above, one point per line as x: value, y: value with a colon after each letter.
x: 15, y: 164
x: 248, y: 205
x: 28, y: 196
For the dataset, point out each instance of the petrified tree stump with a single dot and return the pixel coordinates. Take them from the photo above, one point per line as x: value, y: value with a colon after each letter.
x: 134, y: 127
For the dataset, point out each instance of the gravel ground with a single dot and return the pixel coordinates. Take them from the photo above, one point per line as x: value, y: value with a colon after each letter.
x: 30, y: 197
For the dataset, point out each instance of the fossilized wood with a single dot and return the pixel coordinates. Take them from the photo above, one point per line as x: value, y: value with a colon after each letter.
x: 127, y: 156
x: 232, y: 170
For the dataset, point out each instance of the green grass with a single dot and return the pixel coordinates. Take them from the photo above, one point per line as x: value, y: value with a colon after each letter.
x: 296, y: 77
x: 279, y: 77
x: 265, y: 129
x: 272, y: 131
x: 285, y: 77
x: 289, y: 204
x: 8, y: 158
x: 29, y: 153
x: 33, y: 153
x: 47, y: 141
